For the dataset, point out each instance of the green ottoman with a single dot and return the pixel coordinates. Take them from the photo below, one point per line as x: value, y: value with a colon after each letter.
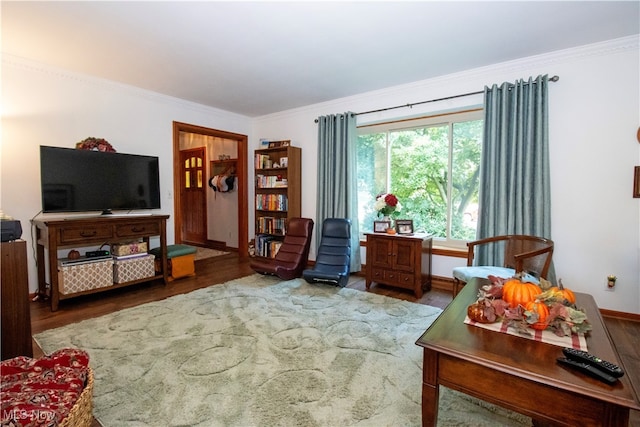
x: 180, y: 260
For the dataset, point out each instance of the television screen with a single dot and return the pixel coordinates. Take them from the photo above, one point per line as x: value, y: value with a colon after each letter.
x: 81, y: 180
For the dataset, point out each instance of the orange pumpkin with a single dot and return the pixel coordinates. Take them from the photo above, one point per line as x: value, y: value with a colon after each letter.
x: 564, y: 292
x: 542, y: 311
x: 516, y: 292
x: 478, y: 312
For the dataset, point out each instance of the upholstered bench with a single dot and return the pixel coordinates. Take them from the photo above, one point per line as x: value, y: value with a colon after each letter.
x: 180, y: 260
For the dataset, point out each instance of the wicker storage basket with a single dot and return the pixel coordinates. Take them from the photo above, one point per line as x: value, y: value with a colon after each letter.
x: 131, y: 248
x: 86, y: 276
x: 81, y: 415
x: 126, y: 270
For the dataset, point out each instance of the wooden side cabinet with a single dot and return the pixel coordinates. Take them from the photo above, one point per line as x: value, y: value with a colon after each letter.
x: 16, y: 317
x: 397, y: 260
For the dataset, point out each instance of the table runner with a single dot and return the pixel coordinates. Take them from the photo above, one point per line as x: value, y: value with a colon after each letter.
x: 577, y: 341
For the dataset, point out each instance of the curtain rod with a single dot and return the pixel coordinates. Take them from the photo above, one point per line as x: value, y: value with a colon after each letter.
x: 551, y: 79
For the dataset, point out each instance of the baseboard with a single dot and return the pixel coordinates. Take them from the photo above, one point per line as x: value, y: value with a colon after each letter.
x: 217, y: 244
x: 620, y: 315
x: 442, y: 283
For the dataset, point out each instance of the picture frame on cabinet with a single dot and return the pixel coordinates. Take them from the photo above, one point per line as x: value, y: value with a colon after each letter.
x: 381, y: 226
x: 404, y: 226
x: 284, y: 162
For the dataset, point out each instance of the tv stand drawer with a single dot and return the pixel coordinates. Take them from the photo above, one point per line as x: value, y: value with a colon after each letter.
x: 70, y: 235
x: 138, y: 229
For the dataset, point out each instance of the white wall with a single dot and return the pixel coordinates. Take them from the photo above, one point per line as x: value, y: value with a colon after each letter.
x: 594, y: 116
x: 47, y: 106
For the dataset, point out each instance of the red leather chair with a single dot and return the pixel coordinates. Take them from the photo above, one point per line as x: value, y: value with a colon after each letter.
x: 293, y: 255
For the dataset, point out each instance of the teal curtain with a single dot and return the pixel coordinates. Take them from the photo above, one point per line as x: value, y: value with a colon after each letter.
x: 337, y: 183
x: 515, y: 195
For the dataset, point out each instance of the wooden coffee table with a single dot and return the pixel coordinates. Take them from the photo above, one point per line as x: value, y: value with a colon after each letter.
x: 518, y: 373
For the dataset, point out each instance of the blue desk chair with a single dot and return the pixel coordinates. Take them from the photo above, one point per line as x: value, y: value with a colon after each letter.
x: 334, y: 254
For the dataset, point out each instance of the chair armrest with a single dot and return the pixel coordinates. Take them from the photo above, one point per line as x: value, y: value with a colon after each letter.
x: 520, y: 258
x: 472, y: 245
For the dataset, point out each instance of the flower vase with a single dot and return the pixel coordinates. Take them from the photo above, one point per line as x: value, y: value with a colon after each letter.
x: 388, y: 218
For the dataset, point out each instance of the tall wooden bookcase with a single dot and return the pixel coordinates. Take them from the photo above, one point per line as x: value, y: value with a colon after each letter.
x: 277, y: 189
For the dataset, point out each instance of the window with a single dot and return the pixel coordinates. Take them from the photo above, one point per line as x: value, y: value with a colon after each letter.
x: 431, y: 164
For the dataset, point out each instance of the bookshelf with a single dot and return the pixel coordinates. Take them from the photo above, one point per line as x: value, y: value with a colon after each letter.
x: 277, y: 194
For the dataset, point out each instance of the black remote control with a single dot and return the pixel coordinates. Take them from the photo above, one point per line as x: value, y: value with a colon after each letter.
x: 603, y: 365
x: 589, y: 370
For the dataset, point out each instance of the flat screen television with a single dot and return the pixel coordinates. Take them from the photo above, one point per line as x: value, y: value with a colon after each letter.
x: 84, y: 181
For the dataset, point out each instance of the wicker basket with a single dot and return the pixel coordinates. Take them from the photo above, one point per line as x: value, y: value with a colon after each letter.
x: 81, y: 415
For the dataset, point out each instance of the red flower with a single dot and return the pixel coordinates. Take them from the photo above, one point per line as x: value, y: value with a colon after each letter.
x: 391, y: 200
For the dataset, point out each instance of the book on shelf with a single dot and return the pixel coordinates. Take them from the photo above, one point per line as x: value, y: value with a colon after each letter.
x: 272, y: 202
x: 269, y: 181
x: 267, y: 246
x: 261, y: 161
x: 271, y: 225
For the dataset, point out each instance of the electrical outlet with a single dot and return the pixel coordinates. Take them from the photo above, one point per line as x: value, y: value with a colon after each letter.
x: 610, y: 285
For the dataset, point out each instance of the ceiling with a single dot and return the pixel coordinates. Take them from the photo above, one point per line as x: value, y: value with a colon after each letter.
x: 257, y: 58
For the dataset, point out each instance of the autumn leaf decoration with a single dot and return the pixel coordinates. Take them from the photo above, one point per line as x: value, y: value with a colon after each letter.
x: 563, y: 317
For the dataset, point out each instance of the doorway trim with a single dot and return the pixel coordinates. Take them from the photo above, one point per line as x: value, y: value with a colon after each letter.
x: 243, y: 205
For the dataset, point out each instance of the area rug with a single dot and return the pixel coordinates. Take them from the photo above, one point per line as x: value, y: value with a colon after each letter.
x: 204, y: 253
x: 260, y: 352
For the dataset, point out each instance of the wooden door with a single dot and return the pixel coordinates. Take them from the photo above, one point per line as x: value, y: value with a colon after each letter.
x: 381, y: 249
x: 404, y: 254
x: 193, y: 206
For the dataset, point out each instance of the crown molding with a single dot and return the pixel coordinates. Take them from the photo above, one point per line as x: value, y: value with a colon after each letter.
x: 110, y: 85
x: 468, y: 80
x: 435, y: 85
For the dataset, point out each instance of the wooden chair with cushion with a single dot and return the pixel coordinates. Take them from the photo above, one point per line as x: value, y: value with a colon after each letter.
x: 522, y: 253
x: 293, y: 254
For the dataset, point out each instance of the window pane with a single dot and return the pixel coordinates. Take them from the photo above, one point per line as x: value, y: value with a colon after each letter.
x: 467, y: 140
x: 431, y: 164
x: 419, y: 162
x: 372, y: 176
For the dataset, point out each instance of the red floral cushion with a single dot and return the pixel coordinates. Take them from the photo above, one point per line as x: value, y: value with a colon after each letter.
x: 41, y: 392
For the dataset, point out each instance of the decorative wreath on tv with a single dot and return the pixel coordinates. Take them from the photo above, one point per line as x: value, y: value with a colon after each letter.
x: 96, y: 144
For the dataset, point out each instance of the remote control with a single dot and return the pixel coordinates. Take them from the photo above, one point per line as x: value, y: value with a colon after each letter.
x: 589, y: 370
x: 603, y: 365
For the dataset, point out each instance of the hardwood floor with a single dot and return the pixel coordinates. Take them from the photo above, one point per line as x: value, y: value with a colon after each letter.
x: 625, y: 333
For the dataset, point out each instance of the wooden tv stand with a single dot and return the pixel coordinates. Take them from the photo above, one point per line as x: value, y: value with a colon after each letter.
x: 55, y: 234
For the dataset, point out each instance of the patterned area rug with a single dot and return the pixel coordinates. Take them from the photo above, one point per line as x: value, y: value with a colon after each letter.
x: 204, y: 253
x: 260, y: 352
